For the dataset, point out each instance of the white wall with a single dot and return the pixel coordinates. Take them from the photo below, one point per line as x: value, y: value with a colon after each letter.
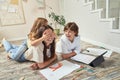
x: 91, y: 29
x: 31, y: 12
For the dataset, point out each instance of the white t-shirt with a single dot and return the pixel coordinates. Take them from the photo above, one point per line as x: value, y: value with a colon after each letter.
x: 66, y: 46
x: 35, y: 53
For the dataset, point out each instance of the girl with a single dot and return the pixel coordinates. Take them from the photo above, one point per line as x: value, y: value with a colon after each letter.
x: 42, y: 46
x: 69, y: 44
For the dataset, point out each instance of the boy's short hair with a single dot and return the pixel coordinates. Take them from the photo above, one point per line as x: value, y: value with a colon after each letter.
x: 73, y: 27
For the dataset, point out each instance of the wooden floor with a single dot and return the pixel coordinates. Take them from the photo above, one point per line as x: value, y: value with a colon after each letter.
x: 108, y: 70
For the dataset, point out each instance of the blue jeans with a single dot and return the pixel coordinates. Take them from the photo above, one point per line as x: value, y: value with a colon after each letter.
x: 16, y: 52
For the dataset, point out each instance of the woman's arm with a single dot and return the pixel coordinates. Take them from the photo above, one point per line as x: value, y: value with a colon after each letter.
x: 44, y: 64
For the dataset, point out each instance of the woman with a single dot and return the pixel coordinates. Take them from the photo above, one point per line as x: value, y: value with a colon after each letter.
x: 41, y: 49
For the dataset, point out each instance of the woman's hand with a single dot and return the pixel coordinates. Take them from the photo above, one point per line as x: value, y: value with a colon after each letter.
x: 34, y: 66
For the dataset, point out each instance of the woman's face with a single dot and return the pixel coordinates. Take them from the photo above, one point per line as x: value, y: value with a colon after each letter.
x: 70, y: 34
x: 50, y: 36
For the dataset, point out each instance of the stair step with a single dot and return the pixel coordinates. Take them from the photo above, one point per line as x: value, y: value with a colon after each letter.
x: 106, y: 10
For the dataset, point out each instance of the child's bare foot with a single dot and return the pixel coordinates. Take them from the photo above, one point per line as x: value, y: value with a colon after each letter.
x: 1, y: 45
x: 8, y: 56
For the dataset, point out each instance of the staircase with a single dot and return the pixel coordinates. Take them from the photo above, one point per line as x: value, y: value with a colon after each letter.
x: 109, y: 11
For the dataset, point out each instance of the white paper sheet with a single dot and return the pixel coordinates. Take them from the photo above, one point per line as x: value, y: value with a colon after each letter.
x: 98, y: 51
x: 66, y: 68
x: 84, y: 58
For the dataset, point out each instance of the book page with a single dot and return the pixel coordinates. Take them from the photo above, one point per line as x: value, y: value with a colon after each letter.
x: 84, y: 58
x: 98, y: 51
x: 58, y: 70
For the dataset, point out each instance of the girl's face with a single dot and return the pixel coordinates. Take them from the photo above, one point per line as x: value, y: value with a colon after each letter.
x: 50, y: 36
x: 70, y: 34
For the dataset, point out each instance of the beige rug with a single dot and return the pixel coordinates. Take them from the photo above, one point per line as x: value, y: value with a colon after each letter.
x: 108, y: 70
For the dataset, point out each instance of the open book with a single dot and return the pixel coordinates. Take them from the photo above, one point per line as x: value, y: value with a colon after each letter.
x: 84, y: 58
x: 88, y: 59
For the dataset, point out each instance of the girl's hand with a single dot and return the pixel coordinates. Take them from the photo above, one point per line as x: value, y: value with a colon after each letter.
x: 45, y: 34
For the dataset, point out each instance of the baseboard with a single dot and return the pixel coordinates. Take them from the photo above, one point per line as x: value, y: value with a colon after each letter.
x: 115, y: 49
x: 15, y: 39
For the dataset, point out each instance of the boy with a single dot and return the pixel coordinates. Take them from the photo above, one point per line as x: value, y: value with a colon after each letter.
x: 69, y: 43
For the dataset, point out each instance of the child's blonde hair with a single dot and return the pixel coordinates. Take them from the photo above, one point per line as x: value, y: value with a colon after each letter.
x: 34, y: 33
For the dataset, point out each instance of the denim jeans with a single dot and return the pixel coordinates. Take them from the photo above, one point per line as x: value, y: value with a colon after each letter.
x: 8, y: 46
x: 16, y: 52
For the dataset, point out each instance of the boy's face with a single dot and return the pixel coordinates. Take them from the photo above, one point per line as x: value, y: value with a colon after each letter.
x: 70, y: 34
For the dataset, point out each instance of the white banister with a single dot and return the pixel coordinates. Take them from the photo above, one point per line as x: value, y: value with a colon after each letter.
x: 107, y: 8
x: 96, y: 5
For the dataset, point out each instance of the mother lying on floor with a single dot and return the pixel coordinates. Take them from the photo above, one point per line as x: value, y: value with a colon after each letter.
x: 42, y: 46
